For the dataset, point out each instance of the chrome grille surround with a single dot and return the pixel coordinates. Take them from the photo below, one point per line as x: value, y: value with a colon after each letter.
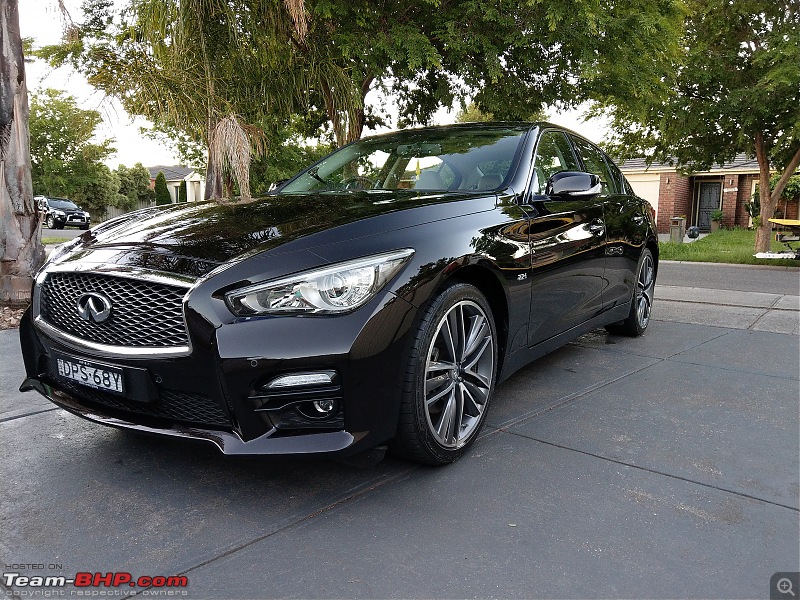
x: 139, y: 324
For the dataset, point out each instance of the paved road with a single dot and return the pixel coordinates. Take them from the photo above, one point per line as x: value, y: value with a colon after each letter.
x: 769, y: 279
x: 67, y: 232
x: 662, y: 467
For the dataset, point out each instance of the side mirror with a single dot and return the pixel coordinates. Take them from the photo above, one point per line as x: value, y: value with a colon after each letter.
x: 274, y: 186
x: 574, y: 185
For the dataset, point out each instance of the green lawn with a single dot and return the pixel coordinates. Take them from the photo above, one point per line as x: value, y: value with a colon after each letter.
x: 724, y: 246
x: 54, y: 240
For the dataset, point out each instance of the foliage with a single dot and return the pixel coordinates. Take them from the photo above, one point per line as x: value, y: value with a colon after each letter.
x: 717, y: 215
x: 723, y: 246
x: 754, y: 210
x: 792, y: 189
x: 735, y: 89
x: 95, y: 194
x: 134, y: 186
x: 188, y: 65
x: 162, y: 193
x: 472, y: 114
x: 65, y: 160
x: 182, y: 193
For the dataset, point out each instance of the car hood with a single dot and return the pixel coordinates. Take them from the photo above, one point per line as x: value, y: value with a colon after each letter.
x: 192, y: 239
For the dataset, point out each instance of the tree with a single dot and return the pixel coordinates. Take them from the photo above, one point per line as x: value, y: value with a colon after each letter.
x: 162, y: 193
x: 65, y: 160
x: 21, y: 250
x: 98, y: 192
x: 198, y: 66
x: 134, y: 186
x: 736, y: 89
x: 182, y: 192
x: 472, y: 114
x: 193, y: 66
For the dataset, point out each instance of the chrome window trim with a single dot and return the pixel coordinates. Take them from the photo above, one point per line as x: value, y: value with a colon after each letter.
x: 104, y: 350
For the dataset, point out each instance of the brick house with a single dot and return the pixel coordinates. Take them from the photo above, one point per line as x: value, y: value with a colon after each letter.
x: 725, y: 187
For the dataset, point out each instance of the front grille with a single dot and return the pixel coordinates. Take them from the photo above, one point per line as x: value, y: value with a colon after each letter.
x: 144, y: 314
x: 192, y: 409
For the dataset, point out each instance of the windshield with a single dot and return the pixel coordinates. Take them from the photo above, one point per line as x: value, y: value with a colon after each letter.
x: 62, y: 204
x: 451, y: 159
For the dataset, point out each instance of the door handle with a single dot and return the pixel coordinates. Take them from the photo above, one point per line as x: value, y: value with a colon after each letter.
x: 597, y: 227
x: 638, y: 219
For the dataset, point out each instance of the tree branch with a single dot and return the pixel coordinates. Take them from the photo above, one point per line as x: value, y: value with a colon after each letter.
x: 787, y: 173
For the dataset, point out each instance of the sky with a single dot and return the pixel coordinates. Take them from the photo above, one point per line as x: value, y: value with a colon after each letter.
x: 41, y: 20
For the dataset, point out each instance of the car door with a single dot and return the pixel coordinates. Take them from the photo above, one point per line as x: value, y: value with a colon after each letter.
x: 567, y: 240
x: 628, y: 221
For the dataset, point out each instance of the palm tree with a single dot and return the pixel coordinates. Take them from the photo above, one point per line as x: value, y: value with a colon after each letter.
x: 21, y: 251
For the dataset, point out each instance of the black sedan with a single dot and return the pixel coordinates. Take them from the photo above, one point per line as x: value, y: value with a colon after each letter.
x: 376, y: 298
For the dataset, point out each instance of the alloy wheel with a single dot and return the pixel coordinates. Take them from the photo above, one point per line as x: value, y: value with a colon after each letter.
x: 645, y: 282
x: 458, y: 374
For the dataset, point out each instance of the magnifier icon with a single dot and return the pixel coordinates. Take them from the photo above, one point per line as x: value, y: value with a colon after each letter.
x: 784, y: 586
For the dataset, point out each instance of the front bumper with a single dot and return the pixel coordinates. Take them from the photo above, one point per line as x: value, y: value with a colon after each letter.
x: 217, y: 394
x: 72, y: 220
x: 227, y: 442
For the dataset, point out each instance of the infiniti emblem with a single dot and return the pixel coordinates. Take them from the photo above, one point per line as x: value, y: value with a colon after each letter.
x: 94, y: 307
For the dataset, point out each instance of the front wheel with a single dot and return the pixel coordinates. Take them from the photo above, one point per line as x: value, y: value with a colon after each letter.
x: 642, y: 302
x: 50, y: 223
x: 450, y: 377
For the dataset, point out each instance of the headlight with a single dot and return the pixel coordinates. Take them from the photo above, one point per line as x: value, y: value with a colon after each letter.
x: 60, y: 213
x: 336, y: 289
x: 85, y: 214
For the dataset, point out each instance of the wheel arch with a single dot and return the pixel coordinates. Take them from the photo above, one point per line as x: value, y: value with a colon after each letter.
x: 652, y: 245
x: 487, y: 282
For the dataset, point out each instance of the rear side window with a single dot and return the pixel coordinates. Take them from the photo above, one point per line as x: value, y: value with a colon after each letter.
x: 553, y: 155
x: 595, y: 163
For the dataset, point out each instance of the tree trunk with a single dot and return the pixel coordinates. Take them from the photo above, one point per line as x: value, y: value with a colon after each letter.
x: 21, y: 251
x: 213, y: 180
x: 769, y: 199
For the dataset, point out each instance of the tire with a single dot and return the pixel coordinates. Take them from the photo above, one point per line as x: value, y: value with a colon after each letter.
x: 642, y: 301
x: 50, y: 223
x: 448, y: 383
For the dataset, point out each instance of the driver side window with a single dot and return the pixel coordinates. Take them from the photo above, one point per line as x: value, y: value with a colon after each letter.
x: 553, y: 155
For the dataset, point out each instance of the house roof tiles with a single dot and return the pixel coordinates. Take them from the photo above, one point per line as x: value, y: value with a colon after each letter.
x: 172, y: 173
x: 741, y: 162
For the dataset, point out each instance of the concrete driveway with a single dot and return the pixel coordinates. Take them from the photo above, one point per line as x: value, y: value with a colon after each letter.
x: 659, y: 467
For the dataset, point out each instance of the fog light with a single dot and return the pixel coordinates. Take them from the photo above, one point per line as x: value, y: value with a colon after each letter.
x: 302, y: 379
x: 324, y: 407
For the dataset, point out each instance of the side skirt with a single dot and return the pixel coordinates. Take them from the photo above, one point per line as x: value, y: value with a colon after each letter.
x: 521, y: 358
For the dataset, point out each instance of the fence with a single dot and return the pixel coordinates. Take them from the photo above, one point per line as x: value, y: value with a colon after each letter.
x: 113, y: 211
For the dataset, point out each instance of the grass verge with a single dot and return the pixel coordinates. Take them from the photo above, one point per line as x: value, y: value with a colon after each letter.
x: 734, y: 246
x: 54, y: 240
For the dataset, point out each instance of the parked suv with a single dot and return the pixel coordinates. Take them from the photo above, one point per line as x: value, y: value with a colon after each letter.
x: 60, y: 212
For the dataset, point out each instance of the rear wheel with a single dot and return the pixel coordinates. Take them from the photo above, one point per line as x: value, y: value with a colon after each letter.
x: 450, y: 376
x: 642, y: 303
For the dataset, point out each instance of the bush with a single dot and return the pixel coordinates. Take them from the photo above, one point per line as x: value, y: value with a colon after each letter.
x: 182, y: 194
x: 162, y: 193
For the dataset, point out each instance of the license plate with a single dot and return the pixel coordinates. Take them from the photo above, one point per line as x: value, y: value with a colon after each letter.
x: 91, y: 374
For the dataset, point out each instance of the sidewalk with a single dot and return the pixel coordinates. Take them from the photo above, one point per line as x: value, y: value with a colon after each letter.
x: 757, y: 311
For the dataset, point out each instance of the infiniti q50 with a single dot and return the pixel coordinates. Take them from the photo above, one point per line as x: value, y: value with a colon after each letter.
x: 376, y: 298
